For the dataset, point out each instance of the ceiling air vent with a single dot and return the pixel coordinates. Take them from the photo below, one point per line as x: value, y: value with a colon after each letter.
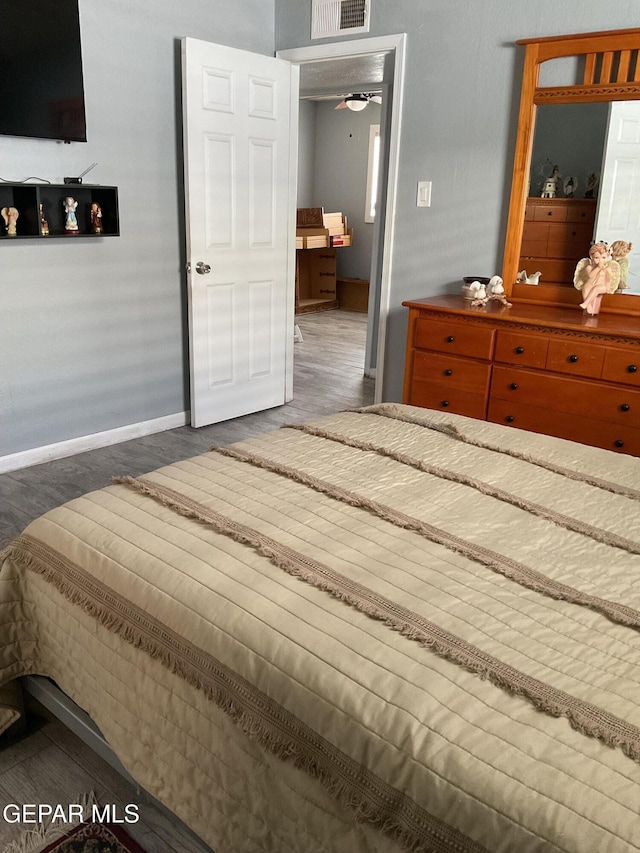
x: 339, y: 17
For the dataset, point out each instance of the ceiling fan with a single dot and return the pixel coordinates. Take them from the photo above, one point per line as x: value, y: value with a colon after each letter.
x: 359, y: 101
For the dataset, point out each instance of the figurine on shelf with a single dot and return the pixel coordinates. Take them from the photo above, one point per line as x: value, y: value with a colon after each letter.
x: 96, y: 218
x: 496, y: 290
x: 70, y: 222
x: 44, y: 225
x: 10, y: 216
x: 619, y: 252
x: 596, y: 275
x: 569, y: 187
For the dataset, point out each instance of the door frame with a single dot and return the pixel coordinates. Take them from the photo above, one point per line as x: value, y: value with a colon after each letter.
x: 394, y: 46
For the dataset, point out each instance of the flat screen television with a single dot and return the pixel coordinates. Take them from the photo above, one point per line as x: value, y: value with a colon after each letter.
x: 41, y: 82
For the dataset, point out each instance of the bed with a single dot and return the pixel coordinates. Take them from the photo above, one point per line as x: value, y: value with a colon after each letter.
x: 386, y: 630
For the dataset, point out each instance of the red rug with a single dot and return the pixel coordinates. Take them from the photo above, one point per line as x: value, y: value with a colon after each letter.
x: 95, y: 838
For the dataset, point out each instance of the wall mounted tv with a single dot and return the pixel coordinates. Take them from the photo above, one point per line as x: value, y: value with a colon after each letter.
x: 41, y: 83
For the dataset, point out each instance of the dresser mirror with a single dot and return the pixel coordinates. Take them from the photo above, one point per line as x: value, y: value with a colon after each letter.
x: 580, y: 95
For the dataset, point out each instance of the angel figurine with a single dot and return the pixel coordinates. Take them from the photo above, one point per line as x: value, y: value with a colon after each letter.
x: 10, y: 216
x: 619, y: 252
x: 71, y: 221
x: 596, y: 275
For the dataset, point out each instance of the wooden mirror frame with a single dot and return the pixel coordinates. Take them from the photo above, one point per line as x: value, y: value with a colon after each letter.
x: 611, y: 73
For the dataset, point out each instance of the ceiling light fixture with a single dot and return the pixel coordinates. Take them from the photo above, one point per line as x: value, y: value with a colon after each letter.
x: 359, y: 101
x: 356, y: 102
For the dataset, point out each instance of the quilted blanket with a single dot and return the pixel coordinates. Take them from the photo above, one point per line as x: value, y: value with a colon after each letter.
x: 389, y: 629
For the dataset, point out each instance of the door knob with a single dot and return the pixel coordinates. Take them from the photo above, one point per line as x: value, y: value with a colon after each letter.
x: 202, y: 268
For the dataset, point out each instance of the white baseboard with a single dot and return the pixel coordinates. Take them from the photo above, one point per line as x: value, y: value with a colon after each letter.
x: 61, y: 449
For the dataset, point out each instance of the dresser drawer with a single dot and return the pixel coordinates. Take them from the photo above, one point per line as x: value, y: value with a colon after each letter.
x: 521, y: 348
x: 618, y: 437
x: 451, y: 371
x: 622, y: 365
x: 569, y: 240
x: 573, y: 356
x: 559, y: 394
x: 582, y: 211
x: 454, y: 337
x: 535, y: 238
x: 431, y: 394
x: 550, y: 212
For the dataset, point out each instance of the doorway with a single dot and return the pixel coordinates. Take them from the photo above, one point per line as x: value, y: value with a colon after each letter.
x: 359, y: 65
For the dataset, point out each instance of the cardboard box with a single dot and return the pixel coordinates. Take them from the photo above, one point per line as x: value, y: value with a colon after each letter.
x: 343, y: 239
x: 316, y: 242
x: 310, y: 217
x: 312, y: 238
x: 336, y: 223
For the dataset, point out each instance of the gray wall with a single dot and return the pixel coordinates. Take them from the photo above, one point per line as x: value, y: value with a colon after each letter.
x: 93, y: 332
x: 307, y: 154
x: 333, y: 153
x: 572, y: 136
x: 463, y: 75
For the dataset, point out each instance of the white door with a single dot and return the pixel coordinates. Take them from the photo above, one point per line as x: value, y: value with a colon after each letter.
x: 239, y: 116
x: 618, y: 216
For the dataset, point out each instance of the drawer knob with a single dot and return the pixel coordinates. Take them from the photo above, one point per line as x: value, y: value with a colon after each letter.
x: 448, y: 371
x: 514, y: 386
x: 519, y: 350
x: 444, y: 403
x: 449, y: 339
x: 633, y: 368
x: 618, y: 442
x: 625, y: 407
x: 510, y: 419
x: 573, y: 358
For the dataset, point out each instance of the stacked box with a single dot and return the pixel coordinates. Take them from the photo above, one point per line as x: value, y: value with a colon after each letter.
x: 339, y: 234
x: 319, y: 230
x: 343, y: 239
x: 310, y: 230
x: 335, y: 223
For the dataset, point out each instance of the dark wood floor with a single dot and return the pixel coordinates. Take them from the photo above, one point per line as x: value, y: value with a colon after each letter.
x: 52, y: 765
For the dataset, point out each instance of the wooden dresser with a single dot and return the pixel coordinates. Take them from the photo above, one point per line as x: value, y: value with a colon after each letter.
x: 557, y: 231
x: 546, y: 369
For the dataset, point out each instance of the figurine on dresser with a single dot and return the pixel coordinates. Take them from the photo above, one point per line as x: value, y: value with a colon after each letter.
x: 478, y: 290
x: 496, y: 290
x: 550, y: 186
x: 619, y: 252
x: 596, y: 275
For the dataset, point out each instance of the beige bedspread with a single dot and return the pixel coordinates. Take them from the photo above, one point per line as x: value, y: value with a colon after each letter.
x: 387, y: 630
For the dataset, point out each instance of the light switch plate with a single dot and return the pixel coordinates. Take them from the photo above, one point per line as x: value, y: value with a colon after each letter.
x: 424, y: 194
